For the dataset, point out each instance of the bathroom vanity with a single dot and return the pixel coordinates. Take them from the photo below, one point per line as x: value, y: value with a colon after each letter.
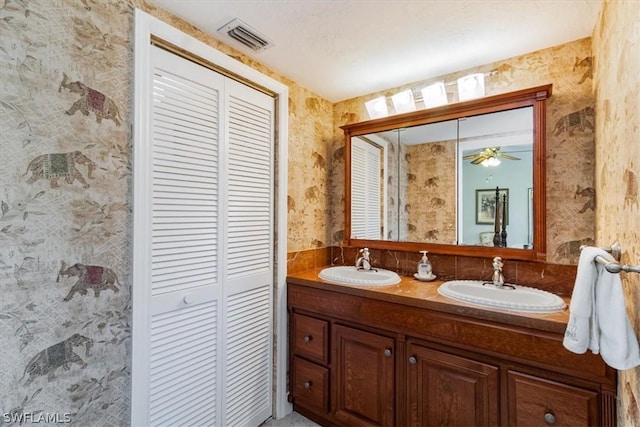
x: 405, y: 355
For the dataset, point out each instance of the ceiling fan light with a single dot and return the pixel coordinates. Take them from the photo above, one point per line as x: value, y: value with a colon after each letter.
x: 434, y: 95
x: 491, y: 161
x: 377, y: 108
x: 471, y: 87
x: 403, y: 101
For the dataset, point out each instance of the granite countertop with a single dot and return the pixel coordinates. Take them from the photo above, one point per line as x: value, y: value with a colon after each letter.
x: 413, y: 292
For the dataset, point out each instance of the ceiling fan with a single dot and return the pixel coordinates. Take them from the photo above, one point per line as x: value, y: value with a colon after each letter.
x: 489, y: 157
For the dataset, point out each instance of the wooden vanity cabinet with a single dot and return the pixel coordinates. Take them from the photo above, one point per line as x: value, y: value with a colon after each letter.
x: 310, y: 337
x: 361, y: 360
x: 309, y: 342
x: 448, y: 390
x: 538, y: 401
x: 363, y: 377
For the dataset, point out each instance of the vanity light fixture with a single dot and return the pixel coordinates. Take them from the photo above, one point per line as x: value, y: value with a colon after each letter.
x: 471, y: 87
x: 377, y: 107
x: 403, y: 101
x: 434, y: 95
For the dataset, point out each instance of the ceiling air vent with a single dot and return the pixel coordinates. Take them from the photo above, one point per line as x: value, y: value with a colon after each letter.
x: 245, y: 35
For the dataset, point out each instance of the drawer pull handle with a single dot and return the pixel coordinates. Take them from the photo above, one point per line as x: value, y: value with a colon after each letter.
x: 413, y: 360
x: 387, y: 352
x: 307, y: 338
x: 549, y: 418
x: 308, y: 384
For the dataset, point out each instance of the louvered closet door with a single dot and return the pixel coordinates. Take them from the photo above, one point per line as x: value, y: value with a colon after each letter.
x: 186, y: 286
x: 365, y: 190
x: 248, y: 271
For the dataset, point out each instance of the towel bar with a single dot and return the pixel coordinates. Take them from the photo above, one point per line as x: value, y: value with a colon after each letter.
x: 614, y: 266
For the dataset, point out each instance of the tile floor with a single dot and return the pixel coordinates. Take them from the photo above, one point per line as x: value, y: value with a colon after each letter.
x: 294, y: 419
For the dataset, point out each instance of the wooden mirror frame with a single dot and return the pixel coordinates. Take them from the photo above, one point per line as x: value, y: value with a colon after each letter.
x: 535, y: 97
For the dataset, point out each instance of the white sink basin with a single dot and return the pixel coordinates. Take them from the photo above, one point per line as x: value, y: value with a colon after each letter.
x: 510, y: 297
x: 346, y: 275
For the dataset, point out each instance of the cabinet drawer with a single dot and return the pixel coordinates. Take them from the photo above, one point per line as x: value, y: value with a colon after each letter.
x: 311, y: 338
x: 311, y: 385
x: 537, y: 401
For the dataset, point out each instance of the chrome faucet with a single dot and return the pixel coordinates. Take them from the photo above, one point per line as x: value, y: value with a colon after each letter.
x: 498, y: 277
x: 364, y: 262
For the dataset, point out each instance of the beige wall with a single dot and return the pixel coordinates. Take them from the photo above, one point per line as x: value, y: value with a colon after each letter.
x: 616, y: 42
x: 570, y: 138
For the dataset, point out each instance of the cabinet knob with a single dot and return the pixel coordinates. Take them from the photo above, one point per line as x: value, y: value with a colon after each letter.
x: 549, y: 418
x: 413, y: 360
x: 307, y: 338
x: 188, y: 299
x: 387, y: 352
x: 307, y: 385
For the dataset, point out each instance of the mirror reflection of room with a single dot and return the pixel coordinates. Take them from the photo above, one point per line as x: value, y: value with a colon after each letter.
x: 496, y: 151
x: 426, y: 183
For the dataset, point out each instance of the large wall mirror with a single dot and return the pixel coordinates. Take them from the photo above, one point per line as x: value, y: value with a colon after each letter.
x: 429, y: 179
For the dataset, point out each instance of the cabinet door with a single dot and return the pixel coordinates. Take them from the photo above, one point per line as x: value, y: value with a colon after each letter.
x: 537, y: 401
x: 448, y: 390
x: 363, y: 377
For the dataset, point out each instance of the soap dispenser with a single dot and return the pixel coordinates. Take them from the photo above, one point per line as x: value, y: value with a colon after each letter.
x: 424, y: 268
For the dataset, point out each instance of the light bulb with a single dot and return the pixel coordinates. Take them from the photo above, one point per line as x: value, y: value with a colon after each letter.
x: 471, y: 86
x: 377, y: 107
x: 491, y: 161
x: 403, y: 101
x: 434, y: 95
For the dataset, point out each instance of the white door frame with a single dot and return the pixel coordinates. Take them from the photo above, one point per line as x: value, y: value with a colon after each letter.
x: 147, y: 26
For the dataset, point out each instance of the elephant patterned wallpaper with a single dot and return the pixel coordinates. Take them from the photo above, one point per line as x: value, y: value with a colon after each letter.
x: 570, y: 138
x: 431, y: 205
x: 308, y: 203
x: 65, y: 202
x: 616, y: 43
x: 65, y: 210
x: 396, y: 191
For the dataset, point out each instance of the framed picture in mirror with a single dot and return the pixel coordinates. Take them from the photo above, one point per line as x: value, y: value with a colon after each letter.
x: 486, y: 205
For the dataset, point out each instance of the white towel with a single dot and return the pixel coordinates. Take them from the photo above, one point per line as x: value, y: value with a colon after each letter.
x: 597, y: 314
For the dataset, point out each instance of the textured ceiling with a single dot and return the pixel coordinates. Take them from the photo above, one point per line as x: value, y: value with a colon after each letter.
x: 341, y: 49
